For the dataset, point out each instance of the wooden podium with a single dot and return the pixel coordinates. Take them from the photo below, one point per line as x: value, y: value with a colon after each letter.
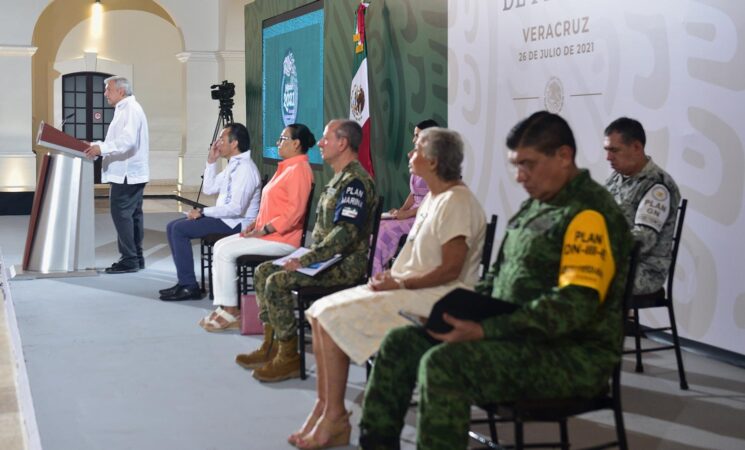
x: 61, y: 232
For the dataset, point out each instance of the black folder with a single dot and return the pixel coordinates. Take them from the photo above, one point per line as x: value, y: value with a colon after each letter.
x: 462, y: 304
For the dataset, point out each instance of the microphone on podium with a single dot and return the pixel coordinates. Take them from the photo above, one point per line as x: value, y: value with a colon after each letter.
x: 68, y: 117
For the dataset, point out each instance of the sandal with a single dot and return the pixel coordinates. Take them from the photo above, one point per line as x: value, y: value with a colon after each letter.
x: 339, y: 434
x: 229, y: 322
x: 211, y: 316
x: 307, y: 427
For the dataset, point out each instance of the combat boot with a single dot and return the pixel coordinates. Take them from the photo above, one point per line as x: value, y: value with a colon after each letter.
x: 284, y: 366
x: 261, y: 355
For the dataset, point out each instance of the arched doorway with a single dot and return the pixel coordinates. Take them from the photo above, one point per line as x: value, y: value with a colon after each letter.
x: 86, y: 113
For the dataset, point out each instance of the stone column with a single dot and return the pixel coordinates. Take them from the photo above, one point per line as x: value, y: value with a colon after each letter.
x: 201, y: 70
x: 17, y: 161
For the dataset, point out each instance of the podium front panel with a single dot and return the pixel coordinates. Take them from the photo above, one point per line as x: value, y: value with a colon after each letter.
x: 64, y: 239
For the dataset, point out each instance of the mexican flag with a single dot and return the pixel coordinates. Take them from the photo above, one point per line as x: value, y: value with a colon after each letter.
x: 359, y: 98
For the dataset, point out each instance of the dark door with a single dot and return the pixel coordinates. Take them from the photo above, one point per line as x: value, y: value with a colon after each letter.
x: 86, y: 113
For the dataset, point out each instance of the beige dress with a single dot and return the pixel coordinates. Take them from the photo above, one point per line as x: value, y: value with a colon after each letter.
x: 357, y: 319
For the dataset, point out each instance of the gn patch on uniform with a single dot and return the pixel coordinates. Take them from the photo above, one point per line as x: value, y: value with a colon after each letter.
x: 587, y: 258
x: 351, y: 205
x: 654, y: 208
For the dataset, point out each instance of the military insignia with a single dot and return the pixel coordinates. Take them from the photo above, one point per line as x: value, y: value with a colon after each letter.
x: 289, y: 89
x: 659, y: 193
x: 553, y: 95
x: 357, y: 101
x: 654, y: 208
x: 350, y: 207
x: 350, y: 213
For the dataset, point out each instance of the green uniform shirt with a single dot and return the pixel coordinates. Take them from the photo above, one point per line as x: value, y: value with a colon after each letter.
x: 537, y: 268
x: 344, y: 219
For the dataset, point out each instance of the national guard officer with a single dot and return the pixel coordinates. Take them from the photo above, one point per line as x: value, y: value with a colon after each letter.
x: 648, y: 197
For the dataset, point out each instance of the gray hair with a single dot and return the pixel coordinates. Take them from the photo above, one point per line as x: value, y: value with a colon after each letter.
x: 444, y: 146
x: 350, y: 130
x: 121, y: 83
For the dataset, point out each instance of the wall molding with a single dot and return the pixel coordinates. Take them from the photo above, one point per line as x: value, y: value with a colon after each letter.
x: 17, y: 50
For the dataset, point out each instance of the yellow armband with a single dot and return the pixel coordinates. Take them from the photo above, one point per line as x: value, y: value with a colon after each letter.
x: 587, y: 258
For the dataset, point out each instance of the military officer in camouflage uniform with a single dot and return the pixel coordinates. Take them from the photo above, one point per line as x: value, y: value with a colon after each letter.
x: 648, y: 197
x: 344, y: 219
x: 564, y: 261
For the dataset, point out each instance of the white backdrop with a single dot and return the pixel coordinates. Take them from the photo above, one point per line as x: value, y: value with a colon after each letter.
x: 678, y: 66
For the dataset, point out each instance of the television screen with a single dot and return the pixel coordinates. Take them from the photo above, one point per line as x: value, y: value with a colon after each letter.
x: 292, y: 75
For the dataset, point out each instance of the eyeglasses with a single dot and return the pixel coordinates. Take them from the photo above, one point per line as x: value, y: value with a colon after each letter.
x: 283, y: 138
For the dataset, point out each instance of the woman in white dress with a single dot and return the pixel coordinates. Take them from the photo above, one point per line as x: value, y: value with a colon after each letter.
x: 442, y: 253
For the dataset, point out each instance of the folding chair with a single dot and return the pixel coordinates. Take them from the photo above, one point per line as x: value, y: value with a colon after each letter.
x: 660, y: 299
x: 560, y: 410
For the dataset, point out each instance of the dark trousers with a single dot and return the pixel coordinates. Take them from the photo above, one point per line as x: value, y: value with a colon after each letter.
x: 126, y: 212
x: 180, y: 232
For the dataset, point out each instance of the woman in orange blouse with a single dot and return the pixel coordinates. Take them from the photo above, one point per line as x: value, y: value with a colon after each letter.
x: 276, y: 231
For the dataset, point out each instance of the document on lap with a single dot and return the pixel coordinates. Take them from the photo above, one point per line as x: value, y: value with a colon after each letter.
x: 312, y: 269
x: 462, y: 304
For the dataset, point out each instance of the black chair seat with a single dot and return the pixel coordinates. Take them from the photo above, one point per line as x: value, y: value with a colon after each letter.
x: 253, y: 259
x: 211, y: 239
x: 550, y: 410
x: 653, y: 300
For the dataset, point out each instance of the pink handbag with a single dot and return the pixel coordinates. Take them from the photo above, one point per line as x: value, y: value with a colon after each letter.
x: 250, y: 323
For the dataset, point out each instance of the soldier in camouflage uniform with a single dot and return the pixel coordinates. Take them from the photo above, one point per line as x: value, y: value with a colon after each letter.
x: 564, y: 260
x: 648, y: 197
x: 344, y: 219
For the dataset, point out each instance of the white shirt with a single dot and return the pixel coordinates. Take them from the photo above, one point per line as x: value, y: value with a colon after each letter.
x: 126, y: 147
x: 440, y: 218
x: 239, y: 186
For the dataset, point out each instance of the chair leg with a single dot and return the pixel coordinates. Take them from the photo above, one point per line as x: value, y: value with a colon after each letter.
x: 638, y: 341
x: 564, y: 434
x: 493, y: 427
x: 519, y: 437
x: 620, y: 428
x: 676, y: 344
x: 202, y: 255
x: 242, y: 280
x: 301, y: 330
x: 209, y: 270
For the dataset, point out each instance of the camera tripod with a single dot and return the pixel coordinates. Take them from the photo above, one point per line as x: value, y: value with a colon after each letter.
x: 224, y: 117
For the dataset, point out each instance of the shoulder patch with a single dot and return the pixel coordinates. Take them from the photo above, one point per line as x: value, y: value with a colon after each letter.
x: 654, y: 208
x: 351, y: 206
x: 586, y: 257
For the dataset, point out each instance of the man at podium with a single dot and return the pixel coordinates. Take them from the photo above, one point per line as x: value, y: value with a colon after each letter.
x: 125, y: 166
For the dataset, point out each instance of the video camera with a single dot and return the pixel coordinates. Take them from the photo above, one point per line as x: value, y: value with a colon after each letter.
x: 224, y: 92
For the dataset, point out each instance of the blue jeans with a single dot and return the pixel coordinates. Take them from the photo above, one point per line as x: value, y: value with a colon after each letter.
x: 180, y: 232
